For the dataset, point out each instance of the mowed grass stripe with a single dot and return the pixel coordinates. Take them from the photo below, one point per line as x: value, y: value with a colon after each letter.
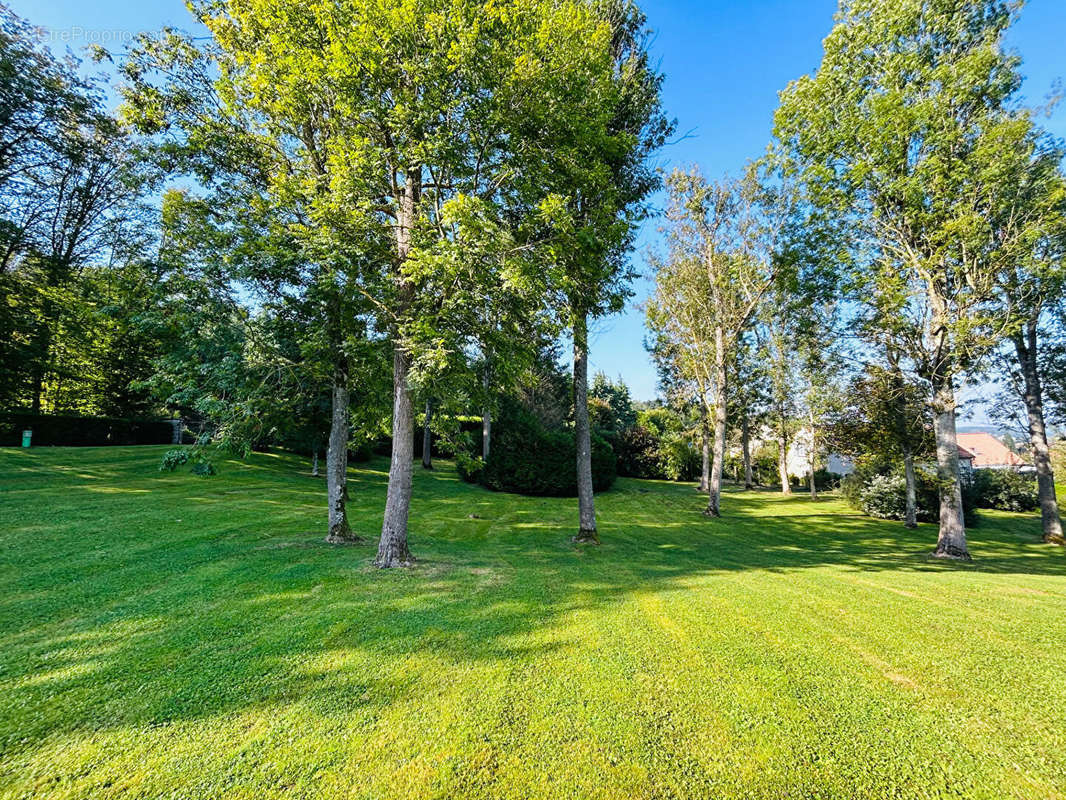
x: 790, y: 649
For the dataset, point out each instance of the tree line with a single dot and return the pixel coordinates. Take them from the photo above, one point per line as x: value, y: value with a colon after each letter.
x: 327, y: 225
x: 387, y: 200
x: 906, y: 226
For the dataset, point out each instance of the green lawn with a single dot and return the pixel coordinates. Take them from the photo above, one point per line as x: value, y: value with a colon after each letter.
x: 163, y: 635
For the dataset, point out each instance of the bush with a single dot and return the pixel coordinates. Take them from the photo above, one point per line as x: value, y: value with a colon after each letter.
x: 362, y: 452
x: 825, y: 481
x: 203, y: 468
x: 172, y: 459
x: 681, y: 461
x: 1005, y: 490
x: 884, y: 495
x: 469, y: 467
x: 527, y: 459
x: 638, y: 453
x: 852, y: 485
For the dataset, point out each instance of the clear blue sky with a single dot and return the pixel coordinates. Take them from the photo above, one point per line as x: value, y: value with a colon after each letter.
x: 724, y: 60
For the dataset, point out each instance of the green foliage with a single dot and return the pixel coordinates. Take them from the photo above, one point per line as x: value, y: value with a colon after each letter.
x: 1005, y: 489
x: 638, y: 453
x: 658, y: 447
x: 172, y: 459
x: 529, y: 459
x: 203, y: 468
x: 878, y: 488
x: 680, y: 459
x: 618, y: 406
x: 885, y: 497
x: 470, y: 468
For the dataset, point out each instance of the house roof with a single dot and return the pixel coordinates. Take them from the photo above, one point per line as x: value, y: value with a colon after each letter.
x: 965, y: 454
x: 988, y: 451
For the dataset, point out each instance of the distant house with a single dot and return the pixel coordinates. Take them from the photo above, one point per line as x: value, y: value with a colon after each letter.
x: 966, y: 459
x: 988, y: 452
x: 799, y: 452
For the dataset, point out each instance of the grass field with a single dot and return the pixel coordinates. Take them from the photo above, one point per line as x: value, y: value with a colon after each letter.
x: 163, y: 635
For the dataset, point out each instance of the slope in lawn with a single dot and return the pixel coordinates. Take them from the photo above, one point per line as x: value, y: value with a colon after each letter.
x: 167, y: 635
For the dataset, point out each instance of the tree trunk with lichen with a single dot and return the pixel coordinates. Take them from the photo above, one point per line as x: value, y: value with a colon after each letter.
x: 910, y: 516
x: 705, y: 447
x: 951, y: 540
x: 812, y: 454
x: 782, y: 463
x: 340, y: 531
x: 486, y: 416
x: 392, y: 548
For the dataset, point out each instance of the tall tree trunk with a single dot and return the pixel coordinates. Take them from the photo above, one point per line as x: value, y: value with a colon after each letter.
x: 392, y: 549
x: 582, y: 432
x: 1026, y: 348
x: 314, y: 463
x: 714, y: 496
x: 337, y: 465
x: 427, y: 437
x: 910, y: 519
x: 745, y: 448
x: 910, y: 514
x: 812, y: 454
x: 782, y: 461
x: 486, y: 415
x: 951, y: 541
x: 705, y: 446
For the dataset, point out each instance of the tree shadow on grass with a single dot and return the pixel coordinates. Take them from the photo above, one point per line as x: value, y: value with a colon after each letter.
x: 136, y: 630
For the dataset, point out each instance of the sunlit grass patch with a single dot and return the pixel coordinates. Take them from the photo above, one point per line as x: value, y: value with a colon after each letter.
x: 182, y: 636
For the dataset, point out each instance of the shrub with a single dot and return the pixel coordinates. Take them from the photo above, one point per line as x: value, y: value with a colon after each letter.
x: 72, y: 431
x: 527, y: 459
x: 638, y: 453
x: 1005, y: 490
x: 825, y: 481
x: 203, y: 468
x: 885, y: 495
x: 469, y: 467
x: 362, y: 452
x: 681, y: 461
x: 172, y: 459
x: 852, y: 485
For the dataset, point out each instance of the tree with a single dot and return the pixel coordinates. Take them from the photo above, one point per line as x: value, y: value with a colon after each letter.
x: 70, y: 191
x: 749, y: 399
x: 900, y: 130
x: 819, y: 367
x: 615, y: 396
x: 601, y: 180
x: 719, y: 268
x: 885, y: 415
x: 1027, y: 220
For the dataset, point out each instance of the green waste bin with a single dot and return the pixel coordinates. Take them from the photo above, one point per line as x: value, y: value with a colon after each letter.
x: 26, y: 437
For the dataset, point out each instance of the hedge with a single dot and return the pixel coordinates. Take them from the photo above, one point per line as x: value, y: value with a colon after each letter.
x: 71, y: 431
x: 525, y: 458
